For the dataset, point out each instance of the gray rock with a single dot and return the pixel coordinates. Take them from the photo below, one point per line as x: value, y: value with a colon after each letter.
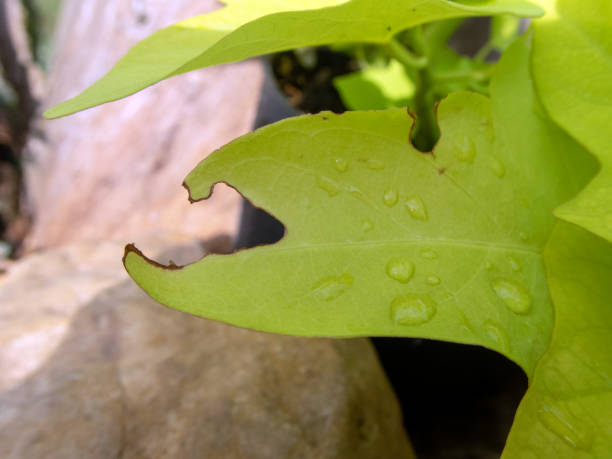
x: 129, y: 378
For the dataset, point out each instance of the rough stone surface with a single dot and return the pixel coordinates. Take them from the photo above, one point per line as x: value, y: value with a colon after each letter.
x: 92, y: 367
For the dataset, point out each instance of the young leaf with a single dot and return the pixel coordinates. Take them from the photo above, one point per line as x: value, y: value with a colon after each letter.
x: 376, y: 88
x: 567, y: 411
x: 572, y: 67
x: 247, y: 28
x: 385, y: 240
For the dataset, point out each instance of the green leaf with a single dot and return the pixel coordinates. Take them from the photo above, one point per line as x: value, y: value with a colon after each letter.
x: 385, y: 240
x: 572, y: 67
x: 376, y: 88
x: 567, y: 411
x: 247, y: 28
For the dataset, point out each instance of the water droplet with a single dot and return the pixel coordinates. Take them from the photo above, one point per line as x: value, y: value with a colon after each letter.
x: 417, y: 209
x: 341, y: 164
x: 466, y: 150
x: 523, y: 236
x: 488, y: 265
x: 412, y: 310
x: 433, y: 280
x: 400, y: 270
x: 565, y: 426
x: 497, y: 334
x: 514, y: 264
x: 375, y: 164
x: 429, y: 254
x: 498, y: 168
x: 331, y: 287
x: 367, y: 225
x: 328, y: 185
x: 390, y: 197
x: 515, y: 296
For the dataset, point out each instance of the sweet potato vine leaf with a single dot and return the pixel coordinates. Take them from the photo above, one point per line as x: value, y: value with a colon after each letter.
x: 572, y: 68
x: 247, y: 28
x: 385, y: 240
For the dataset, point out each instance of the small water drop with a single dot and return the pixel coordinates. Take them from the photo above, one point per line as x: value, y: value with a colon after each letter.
x: 331, y: 287
x: 515, y: 296
x: 498, y: 168
x: 565, y: 426
x: 429, y: 254
x: 466, y: 150
x: 341, y: 164
x: 412, y: 310
x: 488, y: 265
x: 400, y: 270
x: 416, y: 208
x: 497, y: 334
x: 390, y: 197
x: 328, y: 185
x: 375, y: 164
x: 433, y: 280
x: 367, y: 225
x: 514, y: 264
x: 523, y: 236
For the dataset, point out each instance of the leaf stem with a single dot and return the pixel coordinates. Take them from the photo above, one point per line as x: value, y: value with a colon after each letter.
x: 405, y: 56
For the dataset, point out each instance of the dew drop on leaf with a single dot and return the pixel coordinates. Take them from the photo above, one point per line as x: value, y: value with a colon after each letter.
x: 514, y: 264
x: 328, y: 185
x: 498, y: 168
x: 375, y: 164
x: 416, y: 208
x: 412, y: 310
x: 466, y: 150
x: 390, y: 197
x: 367, y: 225
x: 497, y: 334
x: 400, y: 270
x: 515, y: 296
x: 433, y: 280
x: 523, y: 236
x: 488, y: 265
x: 331, y: 287
x: 341, y: 164
x: 565, y: 426
x: 429, y: 254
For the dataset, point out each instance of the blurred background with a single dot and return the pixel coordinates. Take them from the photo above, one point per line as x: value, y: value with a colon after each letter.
x: 89, y: 365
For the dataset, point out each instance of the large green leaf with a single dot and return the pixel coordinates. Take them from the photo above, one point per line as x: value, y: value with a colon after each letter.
x: 572, y: 67
x: 247, y: 28
x: 567, y: 411
x: 385, y: 240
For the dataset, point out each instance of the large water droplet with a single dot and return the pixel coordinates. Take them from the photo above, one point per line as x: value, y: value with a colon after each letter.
x: 367, y: 225
x: 390, y: 197
x: 374, y: 164
x: 341, y: 164
x: 429, y: 254
x: 498, y: 168
x: 331, y: 287
x: 328, y: 185
x: 565, y: 426
x: 514, y: 264
x: 416, y: 208
x: 497, y: 334
x: 515, y: 296
x: 466, y: 150
x: 412, y: 310
x: 400, y: 270
x: 433, y: 280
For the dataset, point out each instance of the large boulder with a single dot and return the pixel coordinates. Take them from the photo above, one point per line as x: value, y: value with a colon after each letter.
x: 92, y: 367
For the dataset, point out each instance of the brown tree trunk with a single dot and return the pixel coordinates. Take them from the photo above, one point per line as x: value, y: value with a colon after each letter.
x: 115, y: 172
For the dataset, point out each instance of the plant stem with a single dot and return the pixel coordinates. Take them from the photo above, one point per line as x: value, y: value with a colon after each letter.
x: 406, y: 57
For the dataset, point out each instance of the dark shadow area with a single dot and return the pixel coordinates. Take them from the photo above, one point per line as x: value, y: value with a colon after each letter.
x: 458, y: 401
